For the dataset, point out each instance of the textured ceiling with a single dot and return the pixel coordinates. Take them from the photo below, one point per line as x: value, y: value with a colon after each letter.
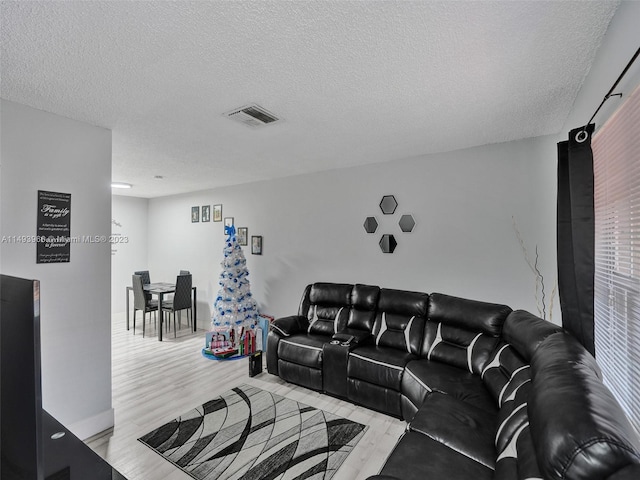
x: 355, y: 82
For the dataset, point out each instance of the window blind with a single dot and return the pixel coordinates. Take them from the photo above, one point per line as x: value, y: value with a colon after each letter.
x: 616, y: 157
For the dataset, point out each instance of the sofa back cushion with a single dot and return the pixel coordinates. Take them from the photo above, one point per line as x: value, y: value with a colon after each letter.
x: 508, y: 367
x: 505, y: 373
x: 512, y: 416
x: 579, y: 430
x: 364, y: 301
x: 327, y: 307
x: 508, y: 377
x: 400, y: 319
x: 462, y: 332
x: 518, y: 460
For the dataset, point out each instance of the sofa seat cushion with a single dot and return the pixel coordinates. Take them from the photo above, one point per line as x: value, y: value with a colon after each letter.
x: 459, y: 425
x: 423, y: 376
x: 382, y: 366
x: 418, y: 457
x: 302, y: 349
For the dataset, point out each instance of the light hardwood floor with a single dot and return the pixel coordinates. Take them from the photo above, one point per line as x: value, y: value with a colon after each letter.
x: 154, y: 382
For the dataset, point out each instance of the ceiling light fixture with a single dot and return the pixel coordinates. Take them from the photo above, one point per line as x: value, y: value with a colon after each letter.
x: 120, y: 185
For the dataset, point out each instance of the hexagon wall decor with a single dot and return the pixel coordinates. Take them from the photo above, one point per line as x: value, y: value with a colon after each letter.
x: 388, y: 204
x: 407, y: 223
x: 388, y: 243
x: 370, y: 224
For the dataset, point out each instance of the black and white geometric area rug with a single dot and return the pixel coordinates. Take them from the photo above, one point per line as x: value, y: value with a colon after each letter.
x: 251, y: 434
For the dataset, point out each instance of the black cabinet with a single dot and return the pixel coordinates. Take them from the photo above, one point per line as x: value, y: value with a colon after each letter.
x: 69, y: 458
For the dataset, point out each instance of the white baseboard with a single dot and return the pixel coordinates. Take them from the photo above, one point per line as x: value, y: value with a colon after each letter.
x: 93, y: 425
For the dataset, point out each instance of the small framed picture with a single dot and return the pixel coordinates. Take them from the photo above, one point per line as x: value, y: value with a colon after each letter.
x: 256, y: 245
x: 206, y: 215
x: 217, y: 213
x: 243, y: 233
x: 195, y: 214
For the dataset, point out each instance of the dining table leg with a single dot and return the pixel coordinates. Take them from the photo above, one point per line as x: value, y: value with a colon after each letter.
x: 128, y: 288
x: 160, y: 295
x: 195, y: 308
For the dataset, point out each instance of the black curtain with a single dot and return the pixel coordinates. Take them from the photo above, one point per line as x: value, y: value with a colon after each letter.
x: 576, y: 235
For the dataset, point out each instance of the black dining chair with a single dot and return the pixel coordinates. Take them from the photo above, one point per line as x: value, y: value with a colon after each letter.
x: 181, y: 300
x: 146, y: 280
x: 140, y: 302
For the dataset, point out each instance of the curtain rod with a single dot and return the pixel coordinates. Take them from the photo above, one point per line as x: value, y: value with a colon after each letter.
x: 610, y: 93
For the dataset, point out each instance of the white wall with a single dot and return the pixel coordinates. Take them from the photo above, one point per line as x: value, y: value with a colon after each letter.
x: 463, y: 244
x: 42, y: 151
x: 129, y: 224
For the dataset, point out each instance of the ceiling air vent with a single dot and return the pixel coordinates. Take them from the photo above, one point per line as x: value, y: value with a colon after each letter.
x: 252, y: 115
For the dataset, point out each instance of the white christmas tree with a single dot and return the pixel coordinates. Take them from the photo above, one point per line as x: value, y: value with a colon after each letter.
x: 234, y: 306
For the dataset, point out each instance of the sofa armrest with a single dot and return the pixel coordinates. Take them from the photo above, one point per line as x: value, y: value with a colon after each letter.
x: 577, y: 425
x: 287, y: 326
x: 355, y: 337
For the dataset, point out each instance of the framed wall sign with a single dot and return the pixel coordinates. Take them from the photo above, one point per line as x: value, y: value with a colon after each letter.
x: 54, y: 227
x: 256, y: 245
x: 195, y: 214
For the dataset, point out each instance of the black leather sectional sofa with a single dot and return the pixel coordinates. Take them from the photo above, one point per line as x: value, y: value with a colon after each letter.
x: 487, y: 392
